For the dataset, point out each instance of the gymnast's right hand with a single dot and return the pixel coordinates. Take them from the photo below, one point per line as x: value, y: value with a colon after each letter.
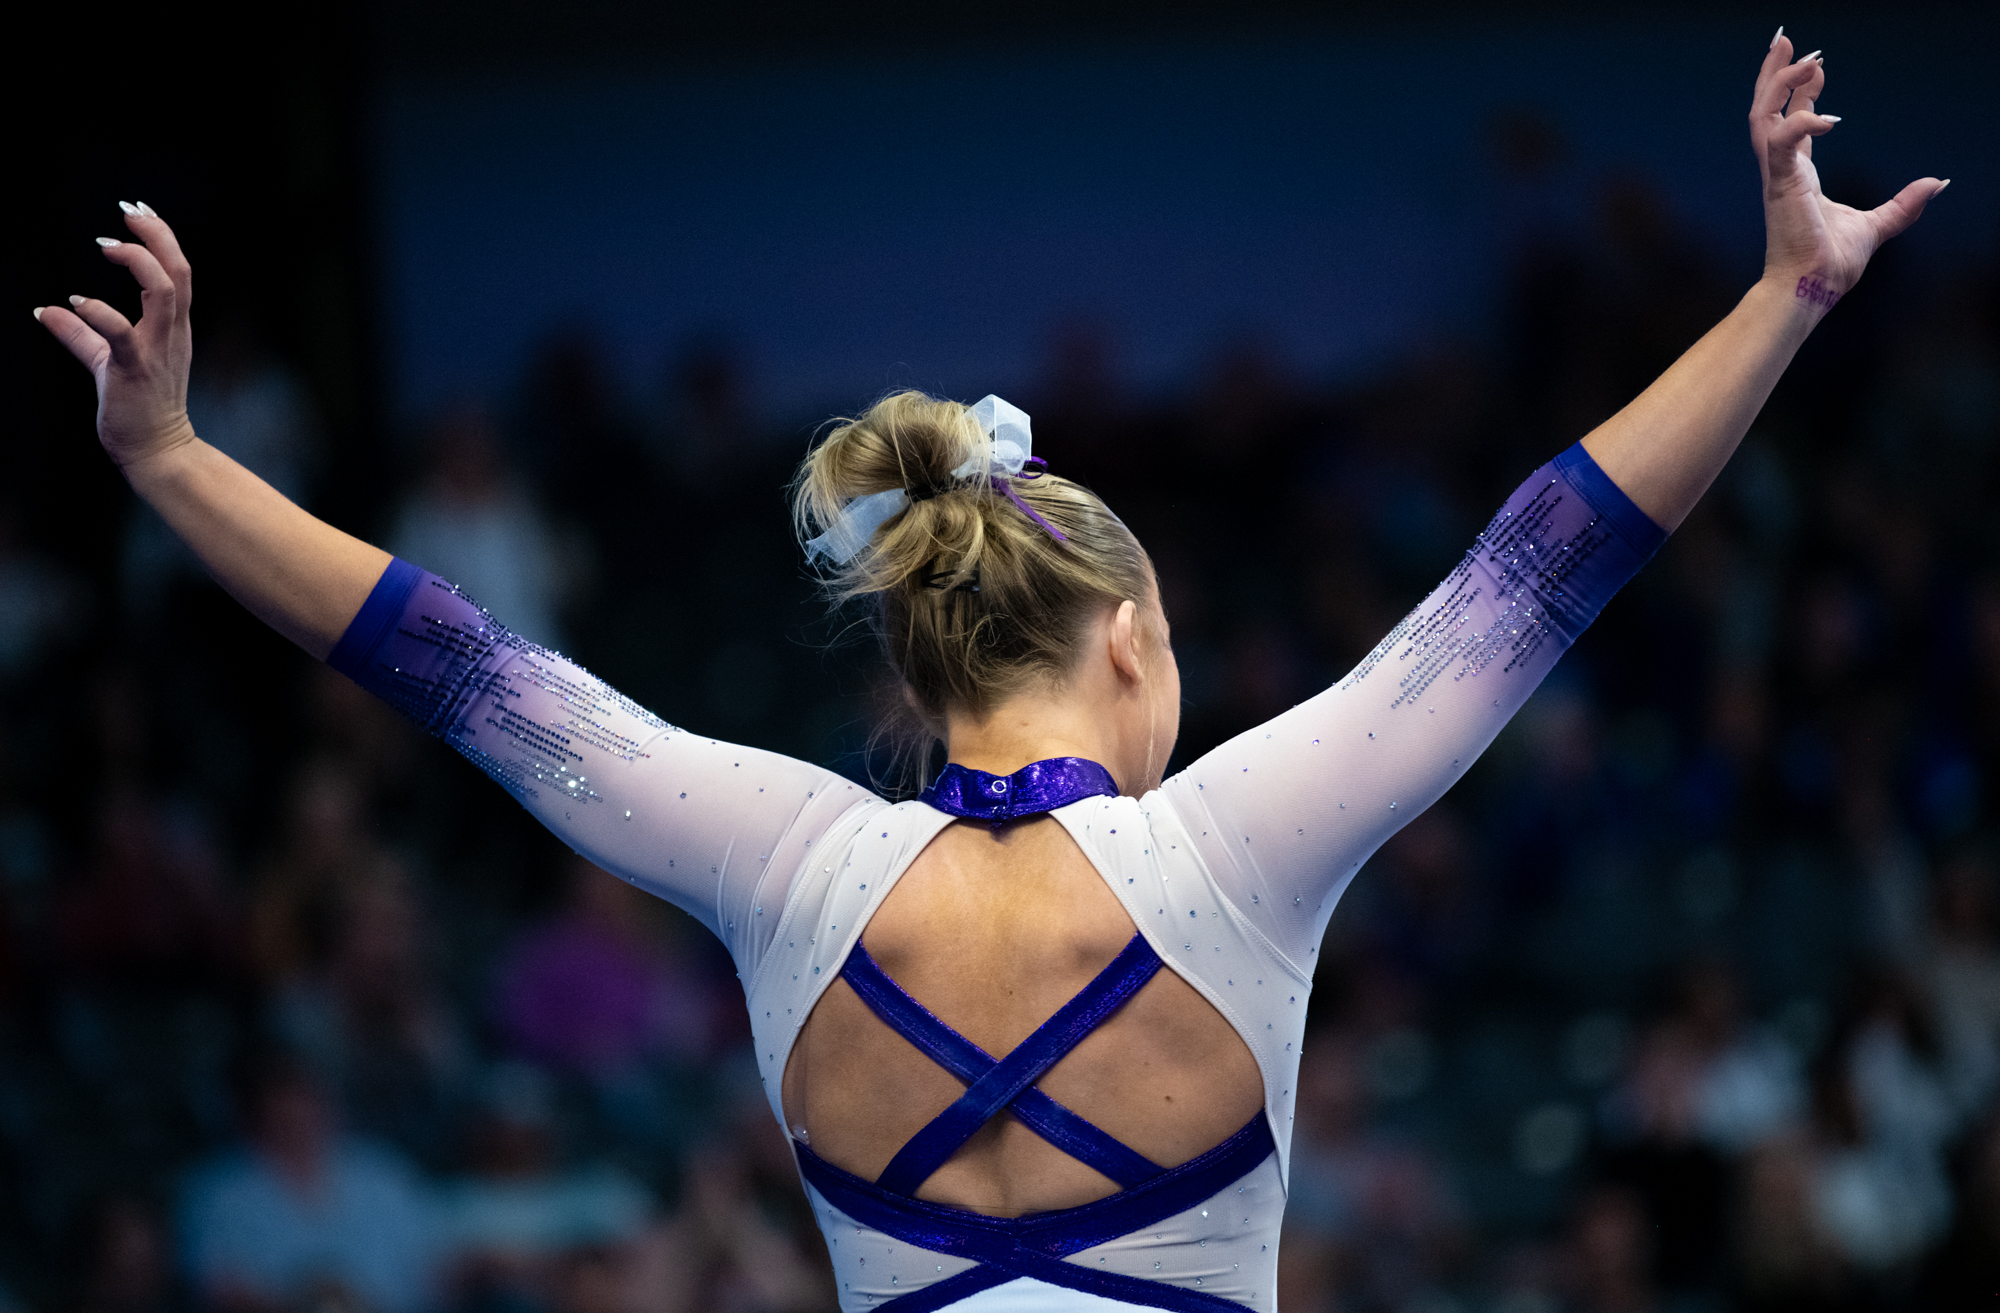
x: 141, y: 369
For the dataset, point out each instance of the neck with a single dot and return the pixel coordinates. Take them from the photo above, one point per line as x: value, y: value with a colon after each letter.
x: 1060, y: 723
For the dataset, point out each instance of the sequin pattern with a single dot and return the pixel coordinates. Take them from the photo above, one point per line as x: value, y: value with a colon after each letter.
x: 474, y: 656
x: 1527, y: 561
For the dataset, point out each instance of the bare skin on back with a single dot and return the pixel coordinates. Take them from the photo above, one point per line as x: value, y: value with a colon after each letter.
x: 993, y: 931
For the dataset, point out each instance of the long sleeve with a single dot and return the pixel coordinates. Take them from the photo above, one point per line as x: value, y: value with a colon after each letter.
x: 701, y: 823
x: 1285, y: 814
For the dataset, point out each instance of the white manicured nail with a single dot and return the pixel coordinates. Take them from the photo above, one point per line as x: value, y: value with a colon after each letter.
x: 1781, y: 33
x: 38, y: 314
x: 148, y: 210
x: 129, y: 208
x: 76, y: 300
x: 1941, y: 186
x: 1806, y: 59
x: 108, y: 242
x: 1831, y: 118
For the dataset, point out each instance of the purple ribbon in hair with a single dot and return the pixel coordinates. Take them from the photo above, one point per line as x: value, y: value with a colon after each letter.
x: 1005, y: 482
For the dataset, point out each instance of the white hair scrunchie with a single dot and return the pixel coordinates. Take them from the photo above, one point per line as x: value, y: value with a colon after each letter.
x: 1010, y: 449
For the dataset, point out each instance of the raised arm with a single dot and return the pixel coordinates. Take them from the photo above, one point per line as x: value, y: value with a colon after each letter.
x: 714, y: 828
x: 1285, y: 814
x: 300, y: 575
x: 1668, y: 446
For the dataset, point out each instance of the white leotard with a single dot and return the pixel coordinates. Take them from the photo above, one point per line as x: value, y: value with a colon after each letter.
x: 1230, y: 869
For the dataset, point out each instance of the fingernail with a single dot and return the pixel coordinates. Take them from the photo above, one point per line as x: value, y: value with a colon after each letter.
x: 128, y: 207
x: 1941, y: 186
x: 1781, y: 33
x: 76, y: 300
x: 148, y: 210
x: 108, y: 242
x: 1802, y: 59
x: 38, y: 314
x: 1831, y: 118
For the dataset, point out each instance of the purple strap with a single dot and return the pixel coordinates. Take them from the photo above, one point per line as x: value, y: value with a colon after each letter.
x: 1035, y: 1245
x: 958, y: 1055
x: 1040, y: 786
x: 1005, y: 1080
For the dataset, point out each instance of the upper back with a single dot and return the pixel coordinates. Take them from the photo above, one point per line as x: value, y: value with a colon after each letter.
x: 993, y: 930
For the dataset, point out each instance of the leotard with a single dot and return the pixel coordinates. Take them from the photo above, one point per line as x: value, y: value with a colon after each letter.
x: 1229, y: 870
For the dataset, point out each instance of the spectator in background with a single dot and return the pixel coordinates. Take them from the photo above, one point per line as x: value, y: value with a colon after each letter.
x: 1370, y: 1222
x: 590, y: 990
x: 1962, y: 974
x: 302, y: 1211
x: 127, y: 1261
x: 1704, y: 1088
x: 517, y: 1221
x: 324, y: 842
x: 1785, y: 1261
x: 1609, y: 1260
x: 149, y: 908
x: 723, y: 1251
x: 468, y: 522
x: 605, y: 991
x: 1965, y: 1272
x: 1884, y: 1118
x: 370, y: 1019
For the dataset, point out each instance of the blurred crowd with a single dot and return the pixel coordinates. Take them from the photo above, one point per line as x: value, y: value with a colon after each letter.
x: 1688, y: 998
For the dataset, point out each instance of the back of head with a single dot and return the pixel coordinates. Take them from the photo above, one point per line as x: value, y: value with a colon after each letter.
x: 974, y: 602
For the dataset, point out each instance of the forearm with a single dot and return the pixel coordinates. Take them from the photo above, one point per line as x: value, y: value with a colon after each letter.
x: 298, y: 574
x: 1668, y: 446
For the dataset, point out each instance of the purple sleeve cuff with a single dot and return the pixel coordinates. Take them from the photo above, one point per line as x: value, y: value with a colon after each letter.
x: 375, y: 621
x: 424, y: 647
x: 1609, y: 501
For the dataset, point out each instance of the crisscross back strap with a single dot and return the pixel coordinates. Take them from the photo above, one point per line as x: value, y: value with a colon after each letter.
x: 1002, y: 1083
x: 1036, y: 1245
x: 967, y: 1061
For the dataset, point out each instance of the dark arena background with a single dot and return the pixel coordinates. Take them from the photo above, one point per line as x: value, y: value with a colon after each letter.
x: 1686, y: 999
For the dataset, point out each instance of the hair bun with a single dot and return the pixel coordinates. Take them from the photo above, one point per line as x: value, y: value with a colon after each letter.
x: 974, y: 597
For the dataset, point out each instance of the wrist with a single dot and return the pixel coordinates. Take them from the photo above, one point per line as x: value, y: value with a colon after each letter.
x: 162, y: 458
x: 1810, y: 294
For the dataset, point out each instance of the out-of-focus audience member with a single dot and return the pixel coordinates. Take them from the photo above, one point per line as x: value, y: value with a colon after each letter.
x: 590, y: 990
x: 1964, y: 1274
x: 470, y: 523
x: 1370, y: 1221
x: 302, y: 1211
x: 127, y: 1261
x: 323, y: 842
x: 1609, y: 1261
x: 1703, y: 1088
x: 1883, y: 1120
x: 516, y: 1219
x: 1962, y: 973
x: 149, y: 907
x: 724, y: 1248
x: 1783, y: 1257
x: 370, y: 1019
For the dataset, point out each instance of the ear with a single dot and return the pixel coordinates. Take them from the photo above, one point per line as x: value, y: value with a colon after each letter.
x: 1124, y: 641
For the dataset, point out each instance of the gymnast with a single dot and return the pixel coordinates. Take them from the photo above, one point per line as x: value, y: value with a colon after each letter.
x: 1034, y: 1035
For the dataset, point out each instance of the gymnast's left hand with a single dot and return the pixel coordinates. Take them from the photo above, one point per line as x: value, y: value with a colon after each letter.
x: 1816, y: 247
x: 141, y: 369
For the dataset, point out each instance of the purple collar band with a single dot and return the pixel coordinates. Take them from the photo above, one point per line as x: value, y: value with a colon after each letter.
x: 1038, y: 787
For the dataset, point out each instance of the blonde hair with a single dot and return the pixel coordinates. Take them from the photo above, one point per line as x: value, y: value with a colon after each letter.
x: 972, y: 601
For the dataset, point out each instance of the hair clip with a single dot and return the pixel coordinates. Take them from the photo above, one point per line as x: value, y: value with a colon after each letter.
x: 941, y: 581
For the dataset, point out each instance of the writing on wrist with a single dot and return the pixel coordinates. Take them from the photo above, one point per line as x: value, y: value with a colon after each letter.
x: 1816, y: 291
